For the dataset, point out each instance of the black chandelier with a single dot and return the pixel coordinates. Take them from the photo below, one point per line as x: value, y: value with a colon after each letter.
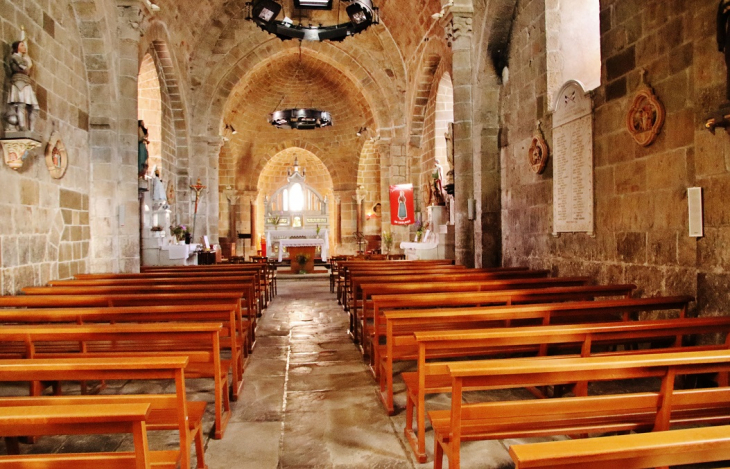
x: 360, y: 12
x: 300, y: 119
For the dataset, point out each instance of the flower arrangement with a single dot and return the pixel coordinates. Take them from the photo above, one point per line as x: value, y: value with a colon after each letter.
x: 302, y: 260
x: 318, y: 229
x: 387, y: 240
x: 179, y: 231
x: 421, y: 227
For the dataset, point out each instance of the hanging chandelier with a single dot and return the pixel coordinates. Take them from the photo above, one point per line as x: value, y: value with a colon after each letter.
x: 300, y: 119
x: 264, y: 13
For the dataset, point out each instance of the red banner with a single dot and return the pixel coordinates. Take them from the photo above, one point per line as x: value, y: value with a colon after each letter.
x: 402, y: 210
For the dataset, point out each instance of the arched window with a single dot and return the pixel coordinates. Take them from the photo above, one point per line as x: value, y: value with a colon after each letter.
x: 573, y: 36
x: 296, y: 198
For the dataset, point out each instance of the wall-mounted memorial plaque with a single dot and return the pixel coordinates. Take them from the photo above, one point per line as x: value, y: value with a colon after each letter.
x: 573, y: 161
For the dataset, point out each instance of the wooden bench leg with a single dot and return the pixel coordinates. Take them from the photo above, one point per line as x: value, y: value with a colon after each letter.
x: 12, y: 445
x: 438, y: 454
x: 200, y: 451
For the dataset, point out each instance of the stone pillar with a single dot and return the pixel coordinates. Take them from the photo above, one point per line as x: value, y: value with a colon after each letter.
x: 204, y: 166
x: 348, y: 221
x: 458, y: 26
x: 394, y: 169
x: 338, y: 220
x: 133, y: 16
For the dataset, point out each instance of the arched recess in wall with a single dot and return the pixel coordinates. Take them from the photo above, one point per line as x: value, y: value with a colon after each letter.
x: 443, y: 116
x: 161, y: 106
x: 149, y: 110
x: 368, y: 189
x: 274, y: 176
x: 573, y: 37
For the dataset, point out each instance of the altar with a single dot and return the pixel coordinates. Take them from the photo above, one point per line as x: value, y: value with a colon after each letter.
x: 280, y: 240
x: 301, y: 242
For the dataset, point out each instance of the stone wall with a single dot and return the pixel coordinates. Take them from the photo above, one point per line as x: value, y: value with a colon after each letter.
x: 640, y: 193
x: 45, y: 230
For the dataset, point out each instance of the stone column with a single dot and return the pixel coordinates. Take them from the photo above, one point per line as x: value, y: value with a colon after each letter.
x: 133, y: 16
x: 458, y: 26
x: 338, y: 220
x: 204, y: 166
x: 348, y: 223
x: 394, y: 169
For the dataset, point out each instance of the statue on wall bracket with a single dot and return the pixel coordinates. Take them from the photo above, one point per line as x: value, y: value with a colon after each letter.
x: 21, y: 109
x: 539, y: 151
x: 646, y: 114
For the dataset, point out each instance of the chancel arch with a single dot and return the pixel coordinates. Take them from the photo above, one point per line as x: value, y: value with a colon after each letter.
x: 295, y: 191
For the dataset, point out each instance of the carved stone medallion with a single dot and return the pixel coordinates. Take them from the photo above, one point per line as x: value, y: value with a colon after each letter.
x: 646, y: 115
x: 539, y: 152
x: 56, y: 156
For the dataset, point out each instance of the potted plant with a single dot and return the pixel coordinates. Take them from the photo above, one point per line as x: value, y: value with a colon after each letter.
x: 421, y: 228
x: 387, y: 241
x: 180, y: 232
x: 302, y: 260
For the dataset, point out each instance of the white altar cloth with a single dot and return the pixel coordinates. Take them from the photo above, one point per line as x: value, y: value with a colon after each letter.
x: 284, y: 243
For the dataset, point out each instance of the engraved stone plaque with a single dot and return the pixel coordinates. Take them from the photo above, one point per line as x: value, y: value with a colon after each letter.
x: 573, y: 161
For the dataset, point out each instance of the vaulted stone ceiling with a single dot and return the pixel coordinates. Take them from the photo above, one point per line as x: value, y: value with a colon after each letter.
x: 238, y: 74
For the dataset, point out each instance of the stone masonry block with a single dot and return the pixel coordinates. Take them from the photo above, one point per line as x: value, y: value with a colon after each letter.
x: 631, y: 247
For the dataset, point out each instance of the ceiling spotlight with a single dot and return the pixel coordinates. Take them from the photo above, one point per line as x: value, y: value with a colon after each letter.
x: 360, y: 11
x: 265, y: 11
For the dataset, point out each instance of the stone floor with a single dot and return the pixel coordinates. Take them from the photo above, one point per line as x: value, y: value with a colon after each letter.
x: 309, y: 401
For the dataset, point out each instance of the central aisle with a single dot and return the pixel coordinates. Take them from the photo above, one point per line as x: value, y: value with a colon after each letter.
x: 309, y: 400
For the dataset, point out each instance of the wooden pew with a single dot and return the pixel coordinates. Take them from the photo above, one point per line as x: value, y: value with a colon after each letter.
x: 652, y: 410
x: 65, y: 312
x: 345, y: 293
x: 433, y: 377
x: 266, y: 277
x: 185, y: 414
x: 345, y: 266
x: 249, y: 280
x: 442, y: 274
x: 635, y: 451
x: 122, y: 288
x: 477, y: 299
x: 398, y: 285
x: 201, y: 298
x: 199, y: 342
x: 32, y: 420
x: 400, y: 326
x: 335, y: 269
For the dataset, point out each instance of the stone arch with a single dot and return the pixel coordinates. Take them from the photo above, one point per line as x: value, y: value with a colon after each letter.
x: 369, y: 185
x: 156, y: 39
x: 272, y: 152
x: 274, y: 173
x: 434, y: 59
